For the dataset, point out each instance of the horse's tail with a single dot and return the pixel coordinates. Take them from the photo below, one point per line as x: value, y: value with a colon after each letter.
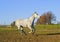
x: 13, y: 23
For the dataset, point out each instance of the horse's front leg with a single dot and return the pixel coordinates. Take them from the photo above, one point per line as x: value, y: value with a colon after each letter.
x: 30, y: 29
x: 33, y: 29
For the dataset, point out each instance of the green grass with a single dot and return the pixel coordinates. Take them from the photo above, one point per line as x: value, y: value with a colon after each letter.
x: 41, y: 29
x: 48, y: 26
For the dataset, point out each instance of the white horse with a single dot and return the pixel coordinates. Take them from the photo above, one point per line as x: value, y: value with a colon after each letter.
x: 29, y: 22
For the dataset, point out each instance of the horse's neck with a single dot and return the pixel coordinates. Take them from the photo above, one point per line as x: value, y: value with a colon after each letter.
x: 31, y: 19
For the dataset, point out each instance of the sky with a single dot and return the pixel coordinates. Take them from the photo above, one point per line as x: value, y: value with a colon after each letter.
x: 11, y: 10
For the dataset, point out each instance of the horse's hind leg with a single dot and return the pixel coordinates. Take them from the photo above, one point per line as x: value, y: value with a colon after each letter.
x: 21, y: 28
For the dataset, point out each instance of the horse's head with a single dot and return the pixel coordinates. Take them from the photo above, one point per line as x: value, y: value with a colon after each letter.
x: 36, y: 15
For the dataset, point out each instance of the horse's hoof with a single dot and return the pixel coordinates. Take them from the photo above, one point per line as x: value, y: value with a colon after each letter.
x: 29, y: 32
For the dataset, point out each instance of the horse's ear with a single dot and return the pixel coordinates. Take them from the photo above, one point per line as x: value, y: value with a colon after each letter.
x: 35, y: 12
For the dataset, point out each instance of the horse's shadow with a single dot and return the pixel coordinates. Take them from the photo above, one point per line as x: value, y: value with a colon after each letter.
x: 48, y: 34
x: 53, y: 34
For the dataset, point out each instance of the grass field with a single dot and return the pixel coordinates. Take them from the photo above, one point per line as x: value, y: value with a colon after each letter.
x: 44, y: 33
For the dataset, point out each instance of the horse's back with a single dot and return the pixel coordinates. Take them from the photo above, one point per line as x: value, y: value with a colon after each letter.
x: 21, y: 22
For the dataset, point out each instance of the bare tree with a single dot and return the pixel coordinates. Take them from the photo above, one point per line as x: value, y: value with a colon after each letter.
x: 46, y: 18
x: 50, y: 17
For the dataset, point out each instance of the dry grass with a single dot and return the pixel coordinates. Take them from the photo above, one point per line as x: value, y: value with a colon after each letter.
x: 41, y: 35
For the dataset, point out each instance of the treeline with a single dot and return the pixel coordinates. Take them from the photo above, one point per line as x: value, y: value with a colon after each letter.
x: 46, y: 18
